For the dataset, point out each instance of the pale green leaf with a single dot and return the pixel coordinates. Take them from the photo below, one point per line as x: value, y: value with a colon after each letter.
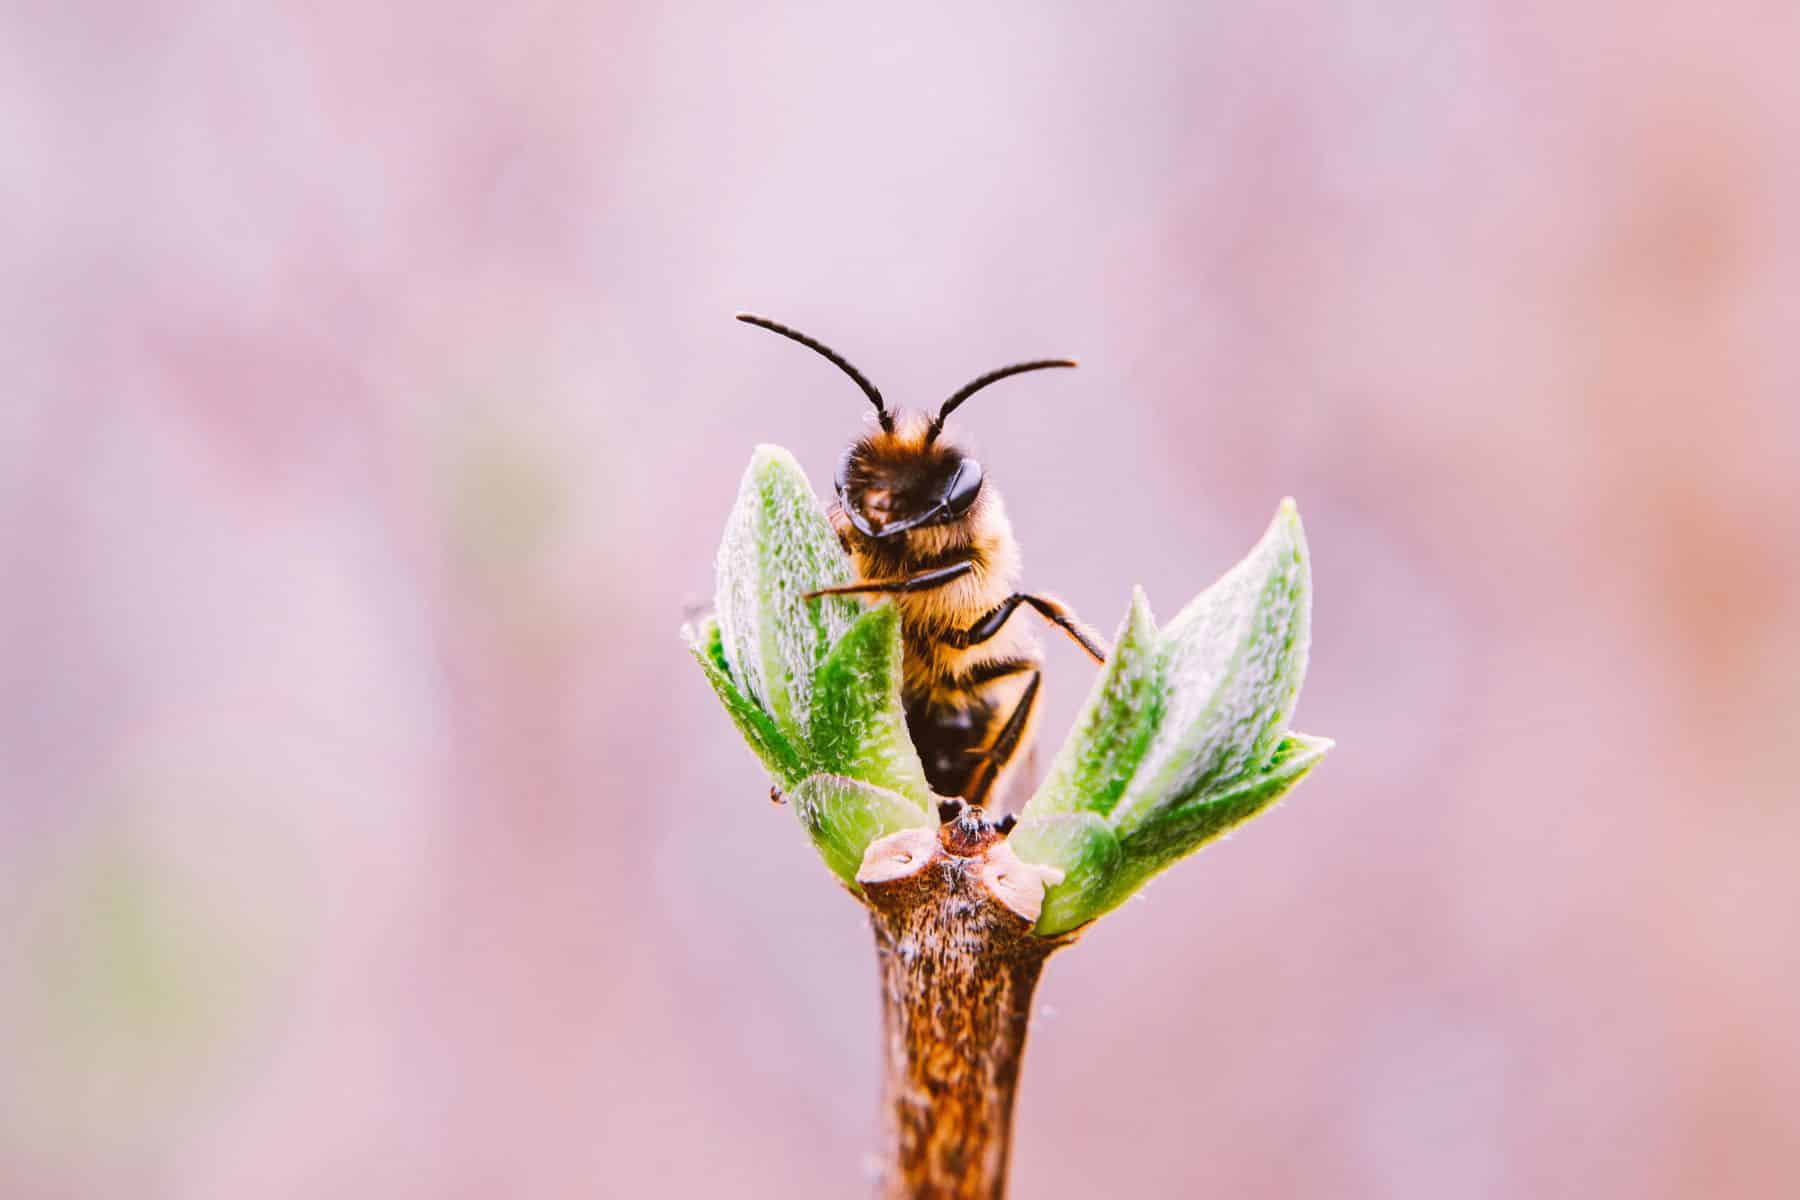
x: 858, y: 724
x: 778, y: 546
x: 765, y: 738
x: 1189, y: 823
x: 845, y: 815
x: 1083, y: 847
x: 1098, y: 759
x: 1230, y: 673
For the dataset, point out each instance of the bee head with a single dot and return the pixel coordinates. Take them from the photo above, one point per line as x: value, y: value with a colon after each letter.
x: 893, y: 481
x: 899, y: 479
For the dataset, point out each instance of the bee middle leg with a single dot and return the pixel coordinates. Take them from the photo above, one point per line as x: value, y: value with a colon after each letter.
x: 1053, y: 611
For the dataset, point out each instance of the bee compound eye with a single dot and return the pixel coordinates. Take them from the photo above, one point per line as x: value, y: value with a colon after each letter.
x: 965, y: 485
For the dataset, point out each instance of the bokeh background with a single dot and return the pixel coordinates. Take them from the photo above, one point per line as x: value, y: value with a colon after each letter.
x: 372, y: 408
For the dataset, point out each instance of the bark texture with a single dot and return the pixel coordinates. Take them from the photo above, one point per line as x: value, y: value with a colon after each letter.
x: 952, y: 911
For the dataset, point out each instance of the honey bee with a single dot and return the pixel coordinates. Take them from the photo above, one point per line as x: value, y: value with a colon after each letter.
x: 923, y: 526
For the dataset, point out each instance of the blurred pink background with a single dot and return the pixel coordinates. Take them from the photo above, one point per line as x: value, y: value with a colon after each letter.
x: 373, y: 409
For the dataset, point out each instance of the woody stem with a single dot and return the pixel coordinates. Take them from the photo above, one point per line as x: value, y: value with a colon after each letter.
x: 959, y: 965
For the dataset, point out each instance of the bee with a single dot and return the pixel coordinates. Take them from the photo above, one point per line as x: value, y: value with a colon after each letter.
x: 923, y: 526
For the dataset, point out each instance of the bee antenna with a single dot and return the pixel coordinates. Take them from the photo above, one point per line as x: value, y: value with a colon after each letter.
x: 969, y: 389
x: 838, y: 360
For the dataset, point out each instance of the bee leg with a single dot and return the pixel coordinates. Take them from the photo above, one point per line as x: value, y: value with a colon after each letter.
x: 987, y: 626
x: 1051, y: 610
x: 984, y: 673
x: 1055, y: 612
x: 923, y: 581
x: 1005, y: 744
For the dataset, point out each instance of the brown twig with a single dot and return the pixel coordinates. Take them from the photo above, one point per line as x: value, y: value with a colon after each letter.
x: 953, y: 910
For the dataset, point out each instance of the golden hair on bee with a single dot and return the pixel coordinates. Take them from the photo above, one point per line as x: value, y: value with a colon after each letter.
x: 924, y: 526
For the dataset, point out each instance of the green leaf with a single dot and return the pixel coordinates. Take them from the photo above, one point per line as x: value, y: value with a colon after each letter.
x: 858, y: 724
x: 814, y: 685
x: 1185, y: 826
x: 784, y: 762
x: 778, y: 546
x: 1097, y: 761
x: 845, y: 815
x: 1083, y: 847
x: 1231, y: 665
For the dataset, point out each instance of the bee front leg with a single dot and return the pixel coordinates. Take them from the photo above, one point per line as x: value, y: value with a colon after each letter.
x: 923, y: 581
